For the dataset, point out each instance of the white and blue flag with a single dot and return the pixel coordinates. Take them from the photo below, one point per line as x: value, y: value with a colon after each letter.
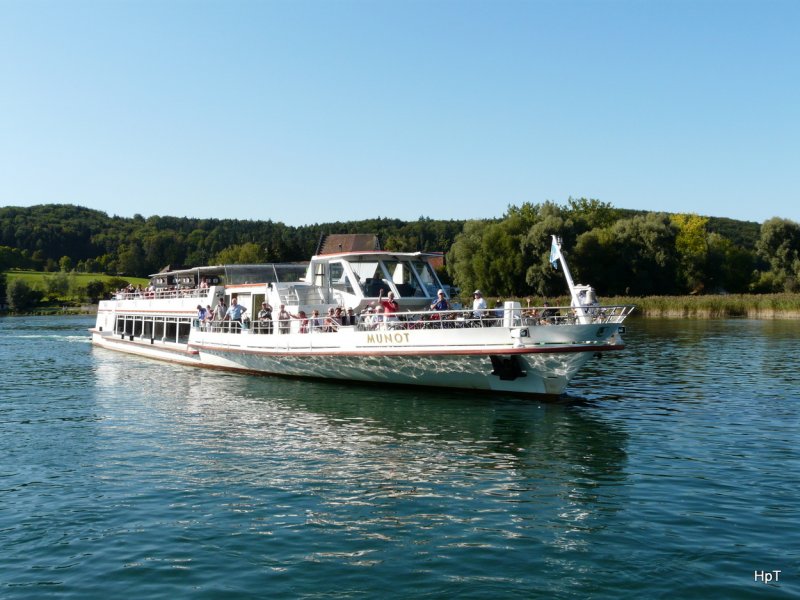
x: 554, y: 255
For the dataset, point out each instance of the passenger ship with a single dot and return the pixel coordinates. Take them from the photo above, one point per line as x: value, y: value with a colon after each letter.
x: 506, y: 348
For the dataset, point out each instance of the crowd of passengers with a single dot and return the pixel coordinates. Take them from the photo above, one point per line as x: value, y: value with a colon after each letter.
x: 382, y: 314
x: 165, y: 291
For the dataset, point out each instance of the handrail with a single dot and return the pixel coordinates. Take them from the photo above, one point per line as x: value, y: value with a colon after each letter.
x: 161, y: 294
x: 431, y: 319
x: 498, y: 317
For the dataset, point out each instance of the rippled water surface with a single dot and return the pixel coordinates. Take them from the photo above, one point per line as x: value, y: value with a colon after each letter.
x: 670, y: 470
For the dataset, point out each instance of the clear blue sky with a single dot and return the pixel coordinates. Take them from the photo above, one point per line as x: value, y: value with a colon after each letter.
x: 315, y: 111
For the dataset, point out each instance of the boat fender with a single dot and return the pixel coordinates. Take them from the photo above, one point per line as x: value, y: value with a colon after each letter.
x: 507, y: 368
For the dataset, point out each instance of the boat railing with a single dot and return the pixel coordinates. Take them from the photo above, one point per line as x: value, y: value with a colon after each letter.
x: 495, y: 317
x: 161, y: 294
x: 430, y: 319
x: 220, y: 326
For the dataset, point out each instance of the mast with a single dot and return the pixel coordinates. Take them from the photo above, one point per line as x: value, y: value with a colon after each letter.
x: 555, y: 256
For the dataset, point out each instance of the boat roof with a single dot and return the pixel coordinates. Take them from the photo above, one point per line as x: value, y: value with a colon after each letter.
x: 234, y: 268
x: 216, y: 269
x: 374, y: 253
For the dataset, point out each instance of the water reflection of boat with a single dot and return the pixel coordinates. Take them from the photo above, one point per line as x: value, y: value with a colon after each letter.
x: 335, y: 417
x: 329, y: 319
x: 372, y: 463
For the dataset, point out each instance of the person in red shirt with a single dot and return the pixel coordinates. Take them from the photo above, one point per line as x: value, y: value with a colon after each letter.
x: 390, y: 305
x: 390, y: 308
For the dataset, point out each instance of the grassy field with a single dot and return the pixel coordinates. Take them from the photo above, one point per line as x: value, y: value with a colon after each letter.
x: 36, y: 279
x: 75, y: 299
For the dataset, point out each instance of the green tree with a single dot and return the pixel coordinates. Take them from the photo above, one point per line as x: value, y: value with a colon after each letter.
x: 591, y: 214
x: 163, y: 248
x: 95, y: 289
x: 57, y: 285
x: 691, y: 244
x: 91, y: 265
x: 131, y: 260
x: 65, y: 263
x: 242, y: 254
x: 12, y: 258
x: 779, y: 247
x: 634, y: 256
x: 463, y: 255
x: 20, y: 296
x: 730, y: 267
x: 595, y: 254
x: 645, y: 249
x: 501, y: 264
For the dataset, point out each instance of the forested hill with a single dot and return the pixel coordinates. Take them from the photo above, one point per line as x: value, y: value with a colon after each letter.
x: 43, y: 235
x: 621, y: 251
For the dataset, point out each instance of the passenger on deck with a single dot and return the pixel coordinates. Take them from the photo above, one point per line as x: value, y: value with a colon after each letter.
x: 316, y: 321
x: 377, y: 318
x: 367, y: 317
x: 441, y: 302
x: 283, y: 319
x: 303, y: 321
x: 265, y: 318
x: 349, y: 318
x: 209, y: 317
x: 220, y: 311
x: 529, y: 312
x: 235, y: 312
x: 478, y: 305
x: 390, y: 306
x: 201, y: 314
x: 548, y: 315
x: 331, y: 324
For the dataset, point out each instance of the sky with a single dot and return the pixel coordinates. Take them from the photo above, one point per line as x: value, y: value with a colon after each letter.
x: 314, y: 111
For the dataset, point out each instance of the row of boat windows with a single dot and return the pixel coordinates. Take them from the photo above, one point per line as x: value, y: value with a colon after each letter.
x: 412, y: 278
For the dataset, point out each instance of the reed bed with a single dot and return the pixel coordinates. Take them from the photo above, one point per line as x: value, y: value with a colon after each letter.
x: 753, y: 306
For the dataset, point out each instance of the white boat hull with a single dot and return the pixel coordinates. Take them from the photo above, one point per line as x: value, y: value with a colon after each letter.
x: 493, y: 359
x: 539, y: 373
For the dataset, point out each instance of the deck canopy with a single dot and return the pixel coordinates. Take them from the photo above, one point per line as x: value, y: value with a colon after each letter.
x: 233, y: 274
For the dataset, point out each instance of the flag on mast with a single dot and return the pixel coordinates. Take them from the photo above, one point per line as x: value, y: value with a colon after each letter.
x: 554, y: 254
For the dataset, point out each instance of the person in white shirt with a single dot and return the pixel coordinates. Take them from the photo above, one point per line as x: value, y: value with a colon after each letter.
x: 478, y: 305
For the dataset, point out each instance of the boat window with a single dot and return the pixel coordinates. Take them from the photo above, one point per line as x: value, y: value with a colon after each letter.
x: 237, y: 274
x: 370, y: 276
x: 427, y: 276
x: 339, y: 279
x: 319, y: 275
x: 291, y: 273
x: 402, y: 275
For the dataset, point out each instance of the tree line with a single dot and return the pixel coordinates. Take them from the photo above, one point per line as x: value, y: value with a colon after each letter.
x: 65, y: 237
x: 620, y: 252
x: 626, y: 253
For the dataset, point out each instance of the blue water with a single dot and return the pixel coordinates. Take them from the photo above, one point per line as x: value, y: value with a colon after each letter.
x: 671, y: 470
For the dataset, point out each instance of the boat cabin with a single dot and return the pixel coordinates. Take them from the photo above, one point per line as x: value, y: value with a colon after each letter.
x: 356, y: 279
